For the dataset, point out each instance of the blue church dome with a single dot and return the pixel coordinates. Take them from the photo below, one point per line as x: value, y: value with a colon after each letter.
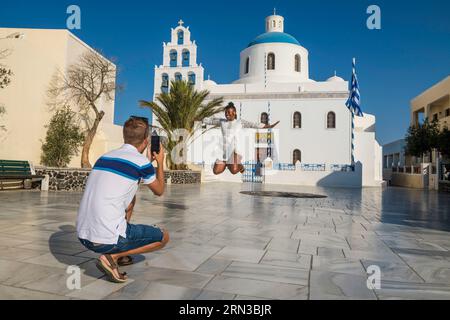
x: 272, y: 37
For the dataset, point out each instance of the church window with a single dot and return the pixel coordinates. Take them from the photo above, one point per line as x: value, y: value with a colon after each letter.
x: 331, y: 120
x: 271, y: 61
x: 186, y: 58
x: 247, y: 66
x: 297, y: 120
x: 264, y: 118
x: 297, y: 63
x: 181, y: 37
x: 178, y: 77
x: 173, y: 58
x: 296, y: 157
x: 191, y: 78
x: 165, y: 83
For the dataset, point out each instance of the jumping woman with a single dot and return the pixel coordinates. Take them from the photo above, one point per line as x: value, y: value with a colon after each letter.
x: 232, y: 156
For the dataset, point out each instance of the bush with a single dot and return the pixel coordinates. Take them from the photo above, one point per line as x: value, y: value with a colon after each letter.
x: 64, y: 138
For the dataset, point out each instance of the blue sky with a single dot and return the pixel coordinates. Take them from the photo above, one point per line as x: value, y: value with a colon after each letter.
x: 409, y: 54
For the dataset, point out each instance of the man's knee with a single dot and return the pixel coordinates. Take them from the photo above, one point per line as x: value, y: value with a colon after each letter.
x: 166, y: 238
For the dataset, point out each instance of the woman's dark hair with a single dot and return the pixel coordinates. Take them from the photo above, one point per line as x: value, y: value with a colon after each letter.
x: 231, y: 106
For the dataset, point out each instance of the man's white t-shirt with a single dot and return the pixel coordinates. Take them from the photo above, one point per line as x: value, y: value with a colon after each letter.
x: 112, y: 185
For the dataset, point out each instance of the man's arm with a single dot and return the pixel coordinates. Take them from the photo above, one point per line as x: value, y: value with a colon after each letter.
x: 157, y: 187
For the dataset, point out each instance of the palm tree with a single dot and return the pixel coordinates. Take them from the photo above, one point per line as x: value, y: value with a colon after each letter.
x: 182, y: 108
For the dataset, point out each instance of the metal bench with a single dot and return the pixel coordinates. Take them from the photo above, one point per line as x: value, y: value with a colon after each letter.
x: 15, y: 174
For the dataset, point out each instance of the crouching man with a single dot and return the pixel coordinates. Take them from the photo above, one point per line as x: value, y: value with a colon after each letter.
x: 104, y: 216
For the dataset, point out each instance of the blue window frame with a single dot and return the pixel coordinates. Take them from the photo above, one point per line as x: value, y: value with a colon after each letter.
x: 180, y: 37
x: 178, y: 77
x: 192, y: 78
x: 173, y: 58
x: 186, y: 58
x: 165, y: 83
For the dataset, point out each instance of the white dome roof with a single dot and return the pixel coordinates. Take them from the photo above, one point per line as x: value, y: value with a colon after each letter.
x: 209, y: 83
x: 335, y: 78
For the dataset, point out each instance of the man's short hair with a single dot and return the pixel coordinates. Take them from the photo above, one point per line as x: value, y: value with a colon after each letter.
x: 135, y: 131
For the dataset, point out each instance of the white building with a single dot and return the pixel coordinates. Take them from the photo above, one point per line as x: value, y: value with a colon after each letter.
x: 312, y: 144
x: 35, y: 57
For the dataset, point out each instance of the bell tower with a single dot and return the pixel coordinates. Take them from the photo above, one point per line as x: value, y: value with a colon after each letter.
x: 179, y: 61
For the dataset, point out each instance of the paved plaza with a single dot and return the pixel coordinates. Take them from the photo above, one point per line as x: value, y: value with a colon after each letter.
x: 227, y: 245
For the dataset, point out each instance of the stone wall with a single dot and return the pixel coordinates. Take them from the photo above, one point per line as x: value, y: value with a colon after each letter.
x: 183, y: 177
x: 65, y: 179
x: 75, y: 179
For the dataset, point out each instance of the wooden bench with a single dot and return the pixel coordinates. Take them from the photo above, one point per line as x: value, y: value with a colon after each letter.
x: 13, y: 175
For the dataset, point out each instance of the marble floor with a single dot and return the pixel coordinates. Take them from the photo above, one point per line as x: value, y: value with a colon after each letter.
x: 227, y: 245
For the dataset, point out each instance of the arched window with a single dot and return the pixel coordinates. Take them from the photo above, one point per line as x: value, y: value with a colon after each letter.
x: 297, y: 120
x: 264, y: 118
x: 271, y: 61
x: 331, y: 120
x: 186, y: 58
x: 296, y: 157
x: 173, y: 58
x: 165, y: 83
x: 247, y: 65
x: 180, y: 37
x: 191, y: 78
x: 178, y: 77
x: 298, y: 65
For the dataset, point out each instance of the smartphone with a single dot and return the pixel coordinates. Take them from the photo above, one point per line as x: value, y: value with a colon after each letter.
x: 156, y: 144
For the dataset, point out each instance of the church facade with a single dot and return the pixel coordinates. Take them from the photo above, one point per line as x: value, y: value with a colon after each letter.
x: 312, y: 144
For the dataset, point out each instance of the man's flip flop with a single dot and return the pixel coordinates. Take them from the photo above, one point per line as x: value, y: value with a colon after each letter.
x: 125, y: 261
x: 109, y: 270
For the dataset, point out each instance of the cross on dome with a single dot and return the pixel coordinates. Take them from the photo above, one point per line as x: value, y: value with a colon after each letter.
x: 180, y: 23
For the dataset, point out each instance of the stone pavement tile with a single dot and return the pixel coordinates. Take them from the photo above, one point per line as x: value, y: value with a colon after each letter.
x: 186, y: 257
x: 267, y: 273
x: 213, y: 295
x: 325, y: 285
x: 394, y: 271
x: 145, y: 290
x: 193, y: 280
x: 12, y: 293
x: 413, y: 244
x: 99, y: 289
x: 338, y: 265
x: 284, y: 244
x: 257, y: 288
x: 213, y: 266
x: 330, y: 252
x: 7, y: 241
x: 57, y: 247
x: 19, y: 273
x: 15, y: 254
x: 252, y: 244
x: 249, y: 298
x: 240, y: 254
x: 287, y: 259
x: 372, y: 254
x: 392, y: 290
x: 307, y: 249
x: 57, y: 260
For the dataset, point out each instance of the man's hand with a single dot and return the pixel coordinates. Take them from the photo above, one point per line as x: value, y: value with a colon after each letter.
x: 159, y: 157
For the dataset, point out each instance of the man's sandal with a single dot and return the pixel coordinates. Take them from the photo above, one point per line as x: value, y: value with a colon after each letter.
x: 109, y: 270
x: 125, y: 261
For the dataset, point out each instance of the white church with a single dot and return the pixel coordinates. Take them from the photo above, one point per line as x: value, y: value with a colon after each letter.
x: 311, y: 146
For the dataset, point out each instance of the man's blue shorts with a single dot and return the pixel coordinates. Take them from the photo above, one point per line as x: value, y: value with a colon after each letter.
x: 138, y: 236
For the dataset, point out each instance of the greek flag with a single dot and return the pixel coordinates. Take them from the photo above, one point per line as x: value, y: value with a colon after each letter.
x: 354, y: 102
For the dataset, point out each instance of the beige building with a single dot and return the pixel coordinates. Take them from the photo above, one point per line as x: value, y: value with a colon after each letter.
x: 434, y: 103
x: 35, y: 56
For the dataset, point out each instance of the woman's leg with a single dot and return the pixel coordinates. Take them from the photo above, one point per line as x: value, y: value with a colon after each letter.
x: 219, y: 167
x: 236, y: 167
